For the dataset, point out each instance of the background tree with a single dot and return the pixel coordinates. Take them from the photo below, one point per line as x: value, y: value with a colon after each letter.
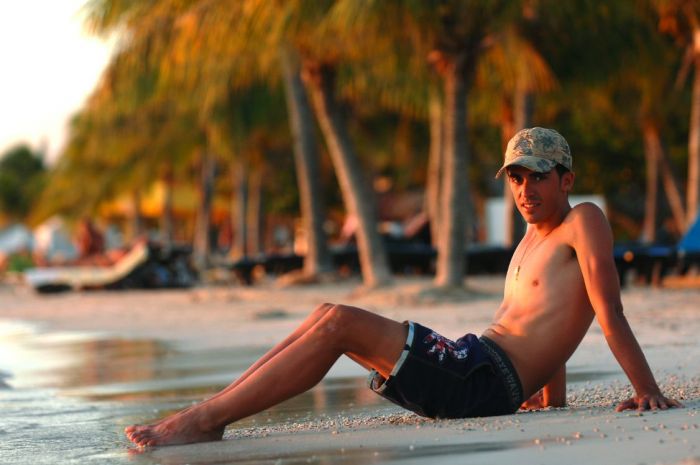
x: 681, y: 19
x: 22, y: 176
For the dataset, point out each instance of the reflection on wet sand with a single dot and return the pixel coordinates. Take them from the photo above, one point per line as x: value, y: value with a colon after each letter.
x: 88, y: 387
x: 169, y: 378
x: 219, y: 454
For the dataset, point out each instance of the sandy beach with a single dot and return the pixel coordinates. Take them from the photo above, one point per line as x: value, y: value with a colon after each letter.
x: 91, y: 363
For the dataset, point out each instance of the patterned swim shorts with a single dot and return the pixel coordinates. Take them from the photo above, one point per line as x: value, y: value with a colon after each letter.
x: 439, y: 378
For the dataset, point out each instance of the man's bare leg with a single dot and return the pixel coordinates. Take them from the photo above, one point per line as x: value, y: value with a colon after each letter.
x: 308, y: 322
x: 369, y: 339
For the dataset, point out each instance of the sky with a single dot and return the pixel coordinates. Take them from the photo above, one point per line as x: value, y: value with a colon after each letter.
x: 49, y: 64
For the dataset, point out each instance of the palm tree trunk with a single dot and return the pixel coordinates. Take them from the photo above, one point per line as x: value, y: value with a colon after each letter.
x: 137, y: 228
x: 255, y: 212
x: 435, y: 163
x: 200, y: 253
x: 452, y: 244
x: 507, y: 131
x: 652, y: 182
x: 693, y: 191
x: 357, y: 195
x: 652, y: 143
x: 166, y: 219
x: 524, y: 107
x: 239, y: 214
x: 318, y: 258
x: 521, y: 114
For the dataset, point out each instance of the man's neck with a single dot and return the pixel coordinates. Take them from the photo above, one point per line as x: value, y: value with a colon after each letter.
x: 552, y: 223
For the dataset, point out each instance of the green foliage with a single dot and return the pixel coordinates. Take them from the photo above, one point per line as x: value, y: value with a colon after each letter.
x: 21, y: 181
x: 194, y: 75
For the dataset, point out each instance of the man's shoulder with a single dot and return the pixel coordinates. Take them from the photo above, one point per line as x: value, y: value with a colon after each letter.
x: 586, y: 211
x: 588, y: 220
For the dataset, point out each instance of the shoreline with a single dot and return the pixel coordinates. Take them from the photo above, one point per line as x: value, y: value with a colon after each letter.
x: 198, y: 321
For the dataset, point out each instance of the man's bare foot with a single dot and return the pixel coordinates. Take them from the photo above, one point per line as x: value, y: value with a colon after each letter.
x: 181, y: 428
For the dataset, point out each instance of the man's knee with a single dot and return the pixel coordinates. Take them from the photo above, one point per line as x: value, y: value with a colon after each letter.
x: 321, y: 310
x: 338, y: 320
x: 343, y: 318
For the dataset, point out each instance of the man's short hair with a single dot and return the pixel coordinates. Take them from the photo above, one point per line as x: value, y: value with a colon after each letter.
x: 561, y: 169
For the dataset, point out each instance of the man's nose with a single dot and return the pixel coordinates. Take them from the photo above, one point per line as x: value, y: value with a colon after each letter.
x: 526, y: 189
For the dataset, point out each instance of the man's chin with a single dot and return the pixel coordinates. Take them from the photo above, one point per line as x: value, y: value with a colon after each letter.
x: 528, y: 217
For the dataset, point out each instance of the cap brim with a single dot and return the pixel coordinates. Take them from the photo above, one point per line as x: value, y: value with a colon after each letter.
x: 540, y: 165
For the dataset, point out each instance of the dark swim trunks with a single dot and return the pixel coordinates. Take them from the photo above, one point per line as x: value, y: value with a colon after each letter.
x: 439, y: 378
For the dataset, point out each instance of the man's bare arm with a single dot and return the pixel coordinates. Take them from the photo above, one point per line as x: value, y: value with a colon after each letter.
x: 553, y: 394
x: 593, y: 244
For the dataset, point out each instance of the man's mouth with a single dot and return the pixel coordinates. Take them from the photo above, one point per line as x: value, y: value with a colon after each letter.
x: 529, y: 205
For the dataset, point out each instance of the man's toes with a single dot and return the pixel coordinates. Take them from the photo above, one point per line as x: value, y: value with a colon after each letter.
x: 147, y: 440
x: 133, y: 429
x: 139, y: 436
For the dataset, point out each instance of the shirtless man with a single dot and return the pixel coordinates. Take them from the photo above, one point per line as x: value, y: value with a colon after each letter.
x: 561, y: 276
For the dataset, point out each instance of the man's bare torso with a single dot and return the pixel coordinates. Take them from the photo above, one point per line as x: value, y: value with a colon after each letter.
x: 545, y: 310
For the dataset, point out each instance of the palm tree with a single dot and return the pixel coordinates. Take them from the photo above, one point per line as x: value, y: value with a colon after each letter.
x: 211, y: 55
x: 456, y: 33
x: 643, y: 83
x: 518, y: 71
x: 681, y: 19
x: 309, y: 30
x: 317, y: 259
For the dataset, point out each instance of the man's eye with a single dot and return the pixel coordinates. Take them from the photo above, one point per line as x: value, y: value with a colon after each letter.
x: 540, y: 176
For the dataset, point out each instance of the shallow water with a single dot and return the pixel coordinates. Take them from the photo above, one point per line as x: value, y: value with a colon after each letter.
x: 66, y: 397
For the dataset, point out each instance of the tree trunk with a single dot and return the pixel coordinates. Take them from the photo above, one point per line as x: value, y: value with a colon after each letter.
x: 317, y: 258
x: 524, y: 103
x: 357, y: 194
x: 255, y: 212
x: 435, y: 163
x: 507, y: 131
x: 239, y: 214
x: 451, y: 259
x: 137, y: 228
x: 652, y: 182
x: 693, y: 191
x: 652, y: 142
x: 521, y: 118
x: 166, y: 220
x: 200, y: 253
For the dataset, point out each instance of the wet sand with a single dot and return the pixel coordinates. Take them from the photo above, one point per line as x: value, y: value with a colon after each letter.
x: 104, y: 360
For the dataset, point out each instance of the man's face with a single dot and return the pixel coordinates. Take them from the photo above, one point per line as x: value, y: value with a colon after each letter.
x: 538, y: 196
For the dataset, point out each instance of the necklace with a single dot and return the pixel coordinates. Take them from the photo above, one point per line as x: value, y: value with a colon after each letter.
x: 525, y: 252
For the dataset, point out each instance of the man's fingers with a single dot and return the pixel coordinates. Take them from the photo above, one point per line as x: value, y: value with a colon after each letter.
x: 654, y: 403
x: 643, y: 404
x: 646, y: 403
x: 626, y: 405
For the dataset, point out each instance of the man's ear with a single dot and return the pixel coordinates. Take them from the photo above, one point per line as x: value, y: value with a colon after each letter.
x: 567, y: 181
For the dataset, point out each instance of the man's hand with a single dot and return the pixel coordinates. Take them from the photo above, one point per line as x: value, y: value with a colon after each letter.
x: 648, y: 402
x: 535, y: 402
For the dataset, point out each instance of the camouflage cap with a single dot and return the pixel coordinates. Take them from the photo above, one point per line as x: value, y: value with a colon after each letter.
x: 538, y: 149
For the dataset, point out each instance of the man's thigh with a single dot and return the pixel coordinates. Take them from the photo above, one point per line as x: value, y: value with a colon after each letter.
x: 371, y: 340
